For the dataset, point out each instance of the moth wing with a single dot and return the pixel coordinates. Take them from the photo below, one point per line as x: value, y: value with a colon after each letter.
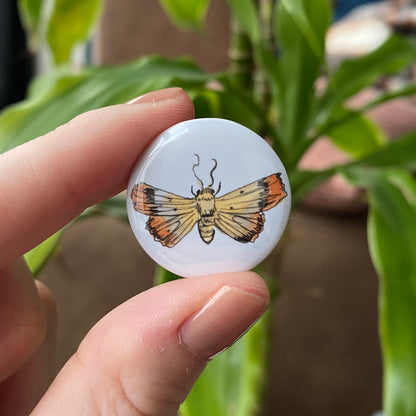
x: 171, y: 217
x: 239, y: 213
x: 241, y: 227
x: 257, y: 196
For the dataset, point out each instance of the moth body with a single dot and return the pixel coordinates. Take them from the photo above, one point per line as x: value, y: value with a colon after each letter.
x: 205, y: 204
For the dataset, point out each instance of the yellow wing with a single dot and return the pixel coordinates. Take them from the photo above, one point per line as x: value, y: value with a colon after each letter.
x: 239, y: 214
x: 171, y: 217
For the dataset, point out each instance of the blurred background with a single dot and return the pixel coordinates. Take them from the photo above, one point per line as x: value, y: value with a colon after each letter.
x: 325, y: 356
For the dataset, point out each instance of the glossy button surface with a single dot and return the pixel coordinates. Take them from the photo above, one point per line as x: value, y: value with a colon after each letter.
x: 208, y: 196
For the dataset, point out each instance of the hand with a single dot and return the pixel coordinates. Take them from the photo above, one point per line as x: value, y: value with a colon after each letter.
x: 144, y: 356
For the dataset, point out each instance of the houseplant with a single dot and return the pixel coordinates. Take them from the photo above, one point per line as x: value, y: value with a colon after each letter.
x: 277, y: 98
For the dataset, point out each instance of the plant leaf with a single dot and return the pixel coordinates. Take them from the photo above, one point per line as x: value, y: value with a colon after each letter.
x: 66, y: 95
x: 232, y: 103
x: 71, y: 21
x: 400, y: 153
x: 357, y: 135
x: 113, y: 207
x: 187, y: 14
x: 304, y: 14
x: 299, y: 67
x: 42, y: 85
x: 30, y: 15
x: 270, y: 64
x: 405, y: 91
x: 163, y: 276
x: 396, y: 53
x: 223, y: 105
x: 39, y: 256
x: 245, y: 12
x: 392, y: 240
x: 304, y: 181
x: 232, y: 382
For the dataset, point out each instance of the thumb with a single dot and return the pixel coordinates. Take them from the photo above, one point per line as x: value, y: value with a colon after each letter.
x: 143, y: 357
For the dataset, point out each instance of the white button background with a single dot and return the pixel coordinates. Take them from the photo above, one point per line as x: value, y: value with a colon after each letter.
x: 243, y: 157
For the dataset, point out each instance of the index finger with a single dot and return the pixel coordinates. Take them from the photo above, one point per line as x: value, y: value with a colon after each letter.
x: 50, y: 180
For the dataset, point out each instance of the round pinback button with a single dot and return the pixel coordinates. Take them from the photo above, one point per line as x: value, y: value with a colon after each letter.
x: 208, y: 196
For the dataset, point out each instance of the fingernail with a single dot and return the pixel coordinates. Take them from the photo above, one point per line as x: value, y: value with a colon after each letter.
x: 224, y: 319
x: 157, y: 96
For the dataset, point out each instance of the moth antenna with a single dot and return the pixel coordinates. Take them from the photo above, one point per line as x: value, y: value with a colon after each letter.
x: 219, y: 187
x: 212, y: 171
x: 192, y: 191
x: 200, y: 183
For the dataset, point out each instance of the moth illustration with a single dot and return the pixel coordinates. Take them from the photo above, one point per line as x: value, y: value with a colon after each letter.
x: 239, y: 213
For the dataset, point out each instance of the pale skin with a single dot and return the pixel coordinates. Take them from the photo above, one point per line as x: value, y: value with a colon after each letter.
x: 143, y: 357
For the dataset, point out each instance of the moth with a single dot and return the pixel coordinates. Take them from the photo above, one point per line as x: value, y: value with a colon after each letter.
x: 239, y: 213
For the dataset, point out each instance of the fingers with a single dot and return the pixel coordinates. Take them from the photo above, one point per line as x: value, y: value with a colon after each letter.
x: 20, y: 393
x: 143, y: 358
x: 50, y: 180
x: 23, y: 324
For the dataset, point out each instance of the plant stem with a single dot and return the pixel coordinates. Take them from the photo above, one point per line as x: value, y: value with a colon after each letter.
x: 261, y: 87
x: 241, y: 58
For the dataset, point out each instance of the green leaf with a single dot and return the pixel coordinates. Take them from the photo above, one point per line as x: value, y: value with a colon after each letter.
x: 400, y: 153
x: 245, y: 13
x: 407, y: 90
x: 187, y: 14
x: 114, y: 207
x: 396, y: 53
x: 311, y: 26
x: 406, y: 183
x: 66, y: 95
x: 392, y: 240
x: 163, y: 276
x: 232, y: 382
x: 299, y: 67
x: 234, y: 104
x: 357, y: 135
x: 71, y: 22
x: 42, y: 86
x: 269, y: 64
x: 39, y: 256
x: 229, y: 104
x: 356, y: 74
x: 30, y: 15
x: 304, y: 181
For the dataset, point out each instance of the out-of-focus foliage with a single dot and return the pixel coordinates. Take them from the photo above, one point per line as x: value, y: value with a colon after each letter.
x: 39, y: 256
x: 60, y: 23
x: 187, y: 14
x: 60, y: 96
x: 392, y: 242
x: 70, y: 23
x: 296, y: 117
x: 30, y: 14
